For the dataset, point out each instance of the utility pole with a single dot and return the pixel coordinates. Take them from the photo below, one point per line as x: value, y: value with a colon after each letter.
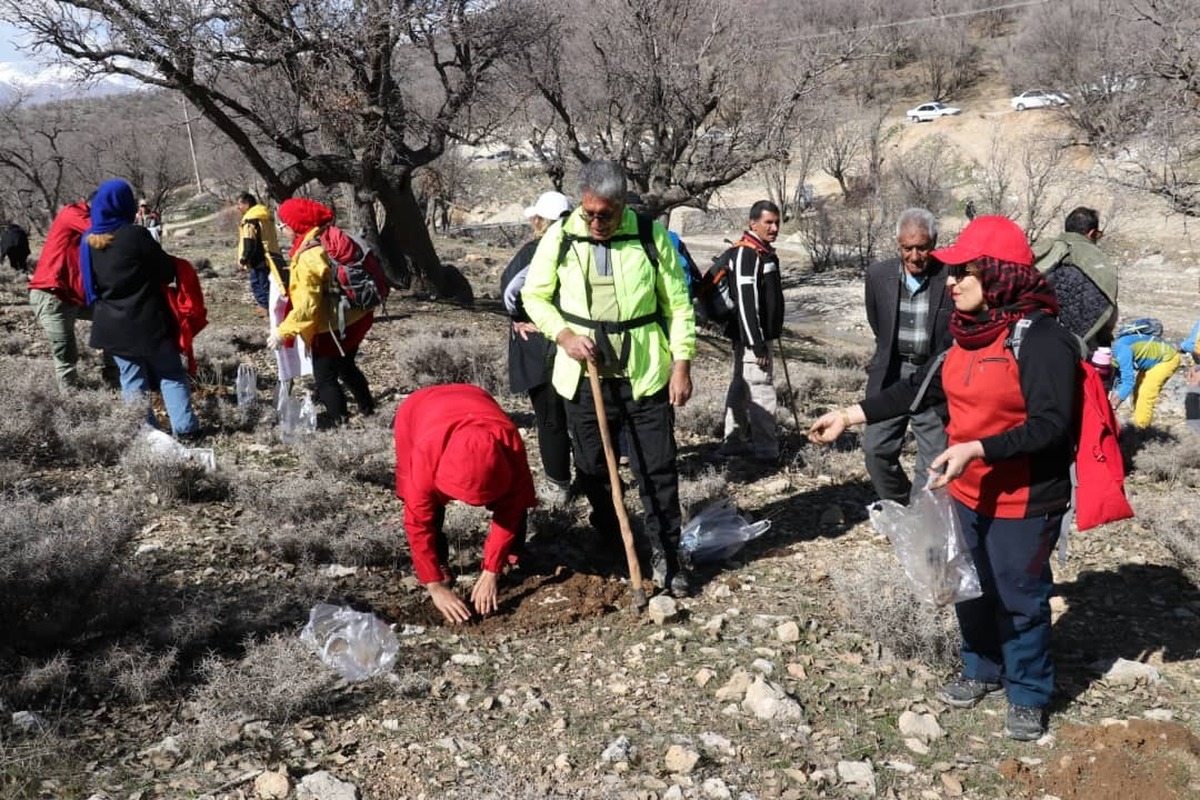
x: 187, y: 122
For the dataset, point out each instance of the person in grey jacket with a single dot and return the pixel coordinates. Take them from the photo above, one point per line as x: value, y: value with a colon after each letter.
x: 909, y: 313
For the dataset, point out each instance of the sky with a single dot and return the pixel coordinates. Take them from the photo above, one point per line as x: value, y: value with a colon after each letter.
x: 21, y: 71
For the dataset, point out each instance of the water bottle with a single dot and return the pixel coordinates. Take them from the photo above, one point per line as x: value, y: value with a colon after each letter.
x: 1102, y: 361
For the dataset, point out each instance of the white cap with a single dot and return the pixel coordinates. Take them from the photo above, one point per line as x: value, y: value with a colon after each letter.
x: 551, y: 206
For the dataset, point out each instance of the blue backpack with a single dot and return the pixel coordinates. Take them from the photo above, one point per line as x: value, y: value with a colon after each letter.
x: 1146, y: 326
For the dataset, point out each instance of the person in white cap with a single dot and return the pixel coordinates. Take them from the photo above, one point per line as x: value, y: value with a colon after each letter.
x: 531, y: 356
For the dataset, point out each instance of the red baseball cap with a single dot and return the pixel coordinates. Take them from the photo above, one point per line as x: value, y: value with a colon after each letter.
x: 992, y: 236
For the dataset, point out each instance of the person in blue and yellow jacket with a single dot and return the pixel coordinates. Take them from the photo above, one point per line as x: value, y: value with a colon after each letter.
x: 312, y: 316
x: 1144, y: 363
x: 594, y: 290
x: 258, y: 252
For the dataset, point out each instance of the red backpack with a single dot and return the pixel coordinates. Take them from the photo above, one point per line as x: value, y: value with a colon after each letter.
x: 358, y: 277
x: 1098, y: 475
x: 186, y: 301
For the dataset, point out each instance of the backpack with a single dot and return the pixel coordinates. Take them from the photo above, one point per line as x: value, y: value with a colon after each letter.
x: 645, y: 235
x: 185, y: 299
x: 1098, y: 472
x: 357, y: 275
x: 691, y: 273
x: 1145, y: 326
x: 715, y: 300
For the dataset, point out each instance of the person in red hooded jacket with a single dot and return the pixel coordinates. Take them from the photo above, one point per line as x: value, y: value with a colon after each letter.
x: 454, y: 442
x: 56, y: 290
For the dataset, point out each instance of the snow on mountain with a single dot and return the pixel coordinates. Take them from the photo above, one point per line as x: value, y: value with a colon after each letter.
x: 36, y: 83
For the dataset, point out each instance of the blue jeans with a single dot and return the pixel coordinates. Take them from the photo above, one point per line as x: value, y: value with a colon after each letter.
x: 260, y: 286
x: 165, y: 372
x: 1006, y: 632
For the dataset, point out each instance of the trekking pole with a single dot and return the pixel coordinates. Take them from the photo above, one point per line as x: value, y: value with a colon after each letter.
x: 788, y: 380
x: 614, y: 478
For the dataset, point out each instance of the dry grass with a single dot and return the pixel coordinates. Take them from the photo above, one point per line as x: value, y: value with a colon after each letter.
x: 62, y: 569
x: 364, y: 455
x: 455, y: 356
x: 171, y: 478
x: 1176, y: 526
x: 875, y: 599
x: 276, y: 680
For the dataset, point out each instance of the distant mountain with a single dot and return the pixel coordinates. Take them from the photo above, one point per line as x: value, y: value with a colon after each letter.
x: 42, y: 84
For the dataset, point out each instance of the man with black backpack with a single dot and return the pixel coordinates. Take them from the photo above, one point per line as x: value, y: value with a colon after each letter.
x: 751, y: 268
x: 607, y: 287
x: 1083, y: 280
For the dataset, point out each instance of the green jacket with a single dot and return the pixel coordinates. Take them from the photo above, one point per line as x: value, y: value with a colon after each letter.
x: 640, y: 289
x: 1080, y: 251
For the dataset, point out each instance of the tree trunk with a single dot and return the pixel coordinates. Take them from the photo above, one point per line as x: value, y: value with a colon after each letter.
x: 412, y: 260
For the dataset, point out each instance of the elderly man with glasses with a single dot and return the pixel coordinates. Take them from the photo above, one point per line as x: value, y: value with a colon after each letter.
x: 595, y: 288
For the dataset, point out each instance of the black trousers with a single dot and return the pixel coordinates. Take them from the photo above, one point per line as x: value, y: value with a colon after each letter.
x: 649, y: 426
x: 554, y: 442
x: 327, y: 370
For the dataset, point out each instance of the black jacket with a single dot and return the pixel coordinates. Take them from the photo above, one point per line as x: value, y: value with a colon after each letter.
x: 883, y: 304
x: 757, y: 288
x: 131, y: 316
x: 530, y: 361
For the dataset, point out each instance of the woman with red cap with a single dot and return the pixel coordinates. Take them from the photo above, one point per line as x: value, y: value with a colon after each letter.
x: 312, y: 315
x: 454, y: 442
x: 1008, y: 463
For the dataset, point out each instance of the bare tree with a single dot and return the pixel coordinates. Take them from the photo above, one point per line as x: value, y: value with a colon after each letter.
x: 356, y: 94
x: 679, y: 97
x: 842, y: 152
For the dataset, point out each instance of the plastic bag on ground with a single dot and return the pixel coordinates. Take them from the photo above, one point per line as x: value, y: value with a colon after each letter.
x: 296, y: 412
x: 718, y: 532
x: 355, y: 644
x: 162, y: 445
x: 928, y: 540
x: 247, y: 387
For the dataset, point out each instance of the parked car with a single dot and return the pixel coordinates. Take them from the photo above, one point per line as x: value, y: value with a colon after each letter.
x: 1037, y: 98
x: 927, y: 112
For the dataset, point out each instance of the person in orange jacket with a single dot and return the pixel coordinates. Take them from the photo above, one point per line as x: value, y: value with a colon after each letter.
x: 455, y: 442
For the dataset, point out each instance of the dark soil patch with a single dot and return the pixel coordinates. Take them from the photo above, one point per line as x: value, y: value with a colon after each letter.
x: 1132, y: 759
x: 534, y: 603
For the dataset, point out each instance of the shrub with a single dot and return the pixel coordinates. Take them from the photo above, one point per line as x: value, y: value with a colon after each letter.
x: 707, y: 487
x: 875, y: 599
x: 96, y: 427
x: 363, y: 455
x: 172, y: 477
x: 454, y: 356
x: 277, y: 680
x: 135, y: 672
x: 60, y: 565
x: 1176, y: 529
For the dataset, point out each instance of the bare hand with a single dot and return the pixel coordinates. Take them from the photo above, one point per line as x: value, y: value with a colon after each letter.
x: 955, y: 459
x: 828, y: 427
x: 763, y: 362
x: 524, y: 329
x: 274, y: 341
x: 679, y: 389
x: 578, y: 346
x: 483, y: 593
x: 450, y: 604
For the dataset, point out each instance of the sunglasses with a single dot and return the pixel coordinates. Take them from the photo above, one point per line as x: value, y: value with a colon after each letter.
x: 600, y: 216
x: 960, y: 271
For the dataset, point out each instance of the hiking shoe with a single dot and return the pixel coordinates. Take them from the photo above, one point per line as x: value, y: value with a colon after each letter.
x: 965, y: 692
x: 554, y: 495
x: 659, y: 569
x: 1024, y: 723
x: 681, y: 584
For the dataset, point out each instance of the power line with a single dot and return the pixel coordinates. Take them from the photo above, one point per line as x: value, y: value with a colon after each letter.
x: 915, y: 21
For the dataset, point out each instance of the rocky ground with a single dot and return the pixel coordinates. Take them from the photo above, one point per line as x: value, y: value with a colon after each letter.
x: 773, y: 680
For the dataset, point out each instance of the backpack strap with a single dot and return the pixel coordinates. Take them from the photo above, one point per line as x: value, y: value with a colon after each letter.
x: 1017, y: 333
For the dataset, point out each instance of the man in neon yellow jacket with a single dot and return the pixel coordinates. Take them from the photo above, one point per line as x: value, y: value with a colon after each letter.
x: 594, y: 288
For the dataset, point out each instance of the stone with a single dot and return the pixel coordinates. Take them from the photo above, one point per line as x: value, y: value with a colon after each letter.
x: 953, y: 785
x: 272, y: 786
x: 716, y: 743
x: 766, y: 700
x: 735, y: 688
x: 680, y: 760
x: 1159, y: 714
x: 673, y: 793
x: 618, y: 750
x: 788, y: 632
x: 859, y: 777
x: 467, y: 659
x: 716, y: 789
x: 340, y: 571
x: 923, y: 727
x: 762, y: 666
x: 324, y: 786
x: 703, y: 676
x: 1124, y: 671
x: 563, y: 763
x: 903, y: 767
x: 663, y: 609
x: 712, y: 628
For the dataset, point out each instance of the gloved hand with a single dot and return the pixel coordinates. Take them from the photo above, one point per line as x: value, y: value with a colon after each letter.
x: 274, y: 341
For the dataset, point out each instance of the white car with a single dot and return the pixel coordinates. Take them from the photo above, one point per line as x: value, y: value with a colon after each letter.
x: 927, y: 112
x: 1037, y: 98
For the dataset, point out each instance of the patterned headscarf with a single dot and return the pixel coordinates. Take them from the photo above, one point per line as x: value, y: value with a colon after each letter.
x: 1010, y: 292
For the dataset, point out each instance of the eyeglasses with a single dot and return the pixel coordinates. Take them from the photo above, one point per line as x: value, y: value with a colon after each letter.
x: 600, y: 216
x: 960, y: 271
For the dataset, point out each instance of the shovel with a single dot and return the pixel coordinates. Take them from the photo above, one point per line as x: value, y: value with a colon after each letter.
x: 614, y: 479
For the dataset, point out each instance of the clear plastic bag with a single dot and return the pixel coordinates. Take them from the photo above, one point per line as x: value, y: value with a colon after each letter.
x: 928, y: 540
x: 247, y: 387
x: 297, y: 414
x: 718, y: 533
x: 356, y: 645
